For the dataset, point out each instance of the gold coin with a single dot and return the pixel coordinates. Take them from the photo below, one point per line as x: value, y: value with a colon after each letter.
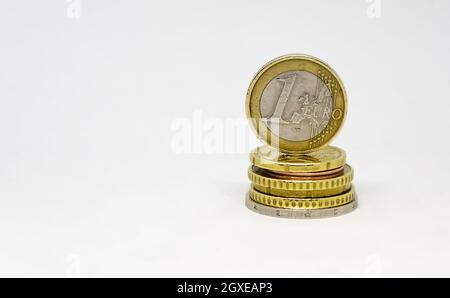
x: 328, y: 158
x: 299, y: 176
x: 301, y: 188
x: 299, y: 203
x: 302, y: 194
x: 296, y: 103
x: 300, y: 213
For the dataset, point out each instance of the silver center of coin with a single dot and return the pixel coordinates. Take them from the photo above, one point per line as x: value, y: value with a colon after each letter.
x: 296, y: 105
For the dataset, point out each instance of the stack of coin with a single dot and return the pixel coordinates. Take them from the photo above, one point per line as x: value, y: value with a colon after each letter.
x: 297, y: 104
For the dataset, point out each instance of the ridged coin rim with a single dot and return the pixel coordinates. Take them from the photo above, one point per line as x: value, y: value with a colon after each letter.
x: 302, y: 185
x: 303, y: 203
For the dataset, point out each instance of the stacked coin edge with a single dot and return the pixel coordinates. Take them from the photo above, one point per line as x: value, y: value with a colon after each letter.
x: 301, y: 186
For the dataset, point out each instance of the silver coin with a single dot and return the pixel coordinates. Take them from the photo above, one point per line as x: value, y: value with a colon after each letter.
x: 296, y: 105
x: 300, y: 213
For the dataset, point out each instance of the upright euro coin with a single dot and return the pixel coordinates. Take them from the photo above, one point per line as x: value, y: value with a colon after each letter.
x: 296, y: 103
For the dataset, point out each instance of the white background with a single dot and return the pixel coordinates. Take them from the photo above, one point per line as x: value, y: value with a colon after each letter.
x: 90, y: 184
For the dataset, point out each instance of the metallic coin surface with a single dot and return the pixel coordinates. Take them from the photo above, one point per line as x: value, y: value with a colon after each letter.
x: 299, y: 176
x: 306, y: 114
x: 303, y: 203
x: 300, y: 213
x: 301, y: 188
x: 304, y: 186
x: 296, y: 103
x: 302, y: 193
x: 303, y: 183
x: 269, y: 158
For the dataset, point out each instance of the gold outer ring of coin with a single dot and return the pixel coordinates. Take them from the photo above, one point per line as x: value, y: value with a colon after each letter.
x: 298, y: 203
x: 299, y: 176
x: 302, y: 188
x: 302, y: 194
x: 300, y: 213
x: 296, y: 62
x: 269, y: 158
